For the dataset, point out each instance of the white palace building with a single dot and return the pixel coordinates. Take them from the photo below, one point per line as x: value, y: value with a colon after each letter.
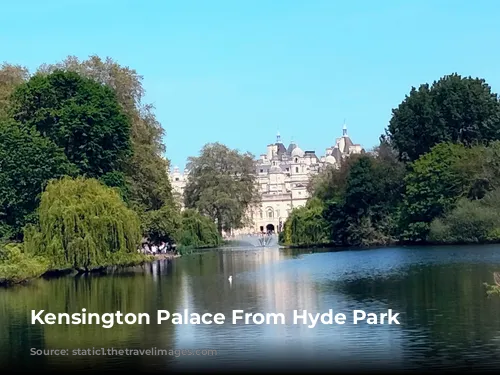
x: 283, y: 174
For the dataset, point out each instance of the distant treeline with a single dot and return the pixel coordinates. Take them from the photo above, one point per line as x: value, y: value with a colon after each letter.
x: 434, y: 178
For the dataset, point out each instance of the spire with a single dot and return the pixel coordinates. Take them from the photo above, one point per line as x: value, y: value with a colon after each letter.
x: 278, y: 137
x: 344, y: 129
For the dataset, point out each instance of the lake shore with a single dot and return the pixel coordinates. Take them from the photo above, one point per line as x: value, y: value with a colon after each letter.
x: 386, y: 245
x: 166, y: 256
x: 24, y: 278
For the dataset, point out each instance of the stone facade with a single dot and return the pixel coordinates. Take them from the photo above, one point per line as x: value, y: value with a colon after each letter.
x: 178, y: 181
x: 283, y: 174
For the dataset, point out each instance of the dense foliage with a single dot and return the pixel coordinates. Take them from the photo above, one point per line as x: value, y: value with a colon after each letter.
x: 146, y: 170
x: 83, y: 120
x: 434, y: 177
x: 306, y: 225
x: 453, y: 109
x: 353, y: 206
x: 27, y: 162
x: 198, y: 231
x: 16, y: 266
x: 432, y: 186
x: 474, y: 221
x: 222, y: 185
x: 163, y: 225
x: 79, y: 115
x: 83, y: 225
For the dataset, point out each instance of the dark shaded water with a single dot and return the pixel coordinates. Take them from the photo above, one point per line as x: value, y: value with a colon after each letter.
x: 446, y: 319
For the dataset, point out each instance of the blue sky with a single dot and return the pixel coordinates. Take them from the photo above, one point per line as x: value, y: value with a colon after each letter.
x: 238, y: 71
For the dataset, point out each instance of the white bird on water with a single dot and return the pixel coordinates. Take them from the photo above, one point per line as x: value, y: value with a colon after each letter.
x: 230, y: 279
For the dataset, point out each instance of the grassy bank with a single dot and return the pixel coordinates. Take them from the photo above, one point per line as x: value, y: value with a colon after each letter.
x: 17, y: 267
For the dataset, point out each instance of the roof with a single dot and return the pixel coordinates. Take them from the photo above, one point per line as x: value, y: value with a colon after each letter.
x: 348, y: 142
x: 290, y: 148
x: 281, y: 149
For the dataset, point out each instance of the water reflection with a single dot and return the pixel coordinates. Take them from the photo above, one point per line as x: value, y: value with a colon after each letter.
x: 446, y: 318
x: 134, y: 291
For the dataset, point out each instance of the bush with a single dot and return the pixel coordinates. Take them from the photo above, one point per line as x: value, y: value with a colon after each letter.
x: 16, y: 266
x: 84, y: 225
x: 469, y: 222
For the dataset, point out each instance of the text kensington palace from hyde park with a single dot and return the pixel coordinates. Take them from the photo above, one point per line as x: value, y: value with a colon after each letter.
x: 298, y: 317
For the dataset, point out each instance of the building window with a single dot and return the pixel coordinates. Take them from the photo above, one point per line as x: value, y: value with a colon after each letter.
x: 296, y: 169
x: 296, y: 160
x: 270, y: 214
x: 261, y: 171
x: 288, y: 169
x: 177, y: 179
x: 261, y: 215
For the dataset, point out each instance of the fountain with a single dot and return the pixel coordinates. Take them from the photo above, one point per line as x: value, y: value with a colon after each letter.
x: 261, y: 240
x: 265, y: 240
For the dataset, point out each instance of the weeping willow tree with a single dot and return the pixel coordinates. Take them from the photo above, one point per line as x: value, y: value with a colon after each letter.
x: 306, y: 226
x: 198, y: 231
x: 84, y: 225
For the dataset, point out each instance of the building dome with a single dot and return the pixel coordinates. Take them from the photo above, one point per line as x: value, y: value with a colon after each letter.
x: 297, y: 152
x: 330, y: 159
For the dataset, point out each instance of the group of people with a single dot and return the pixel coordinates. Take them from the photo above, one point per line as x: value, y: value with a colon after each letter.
x: 153, y: 249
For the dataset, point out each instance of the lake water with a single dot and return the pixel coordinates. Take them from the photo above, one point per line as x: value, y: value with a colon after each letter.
x: 446, y: 319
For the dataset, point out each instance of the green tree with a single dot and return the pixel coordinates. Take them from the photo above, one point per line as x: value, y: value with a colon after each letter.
x: 481, y: 169
x: 80, y: 116
x: 11, y: 76
x: 198, y: 231
x: 433, y: 185
x: 147, y: 169
x: 360, y: 202
x: 373, y: 190
x: 84, y: 225
x: 330, y: 183
x: 117, y: 179
x: 222, y: 184
x: 27, y: 162
x: 306, y: 225
x: 361, y: 188
x: 162, y: 225
x: 453, y: 109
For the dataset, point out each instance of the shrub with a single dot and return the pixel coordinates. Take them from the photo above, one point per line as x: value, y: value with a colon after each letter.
x: 16, y: 266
